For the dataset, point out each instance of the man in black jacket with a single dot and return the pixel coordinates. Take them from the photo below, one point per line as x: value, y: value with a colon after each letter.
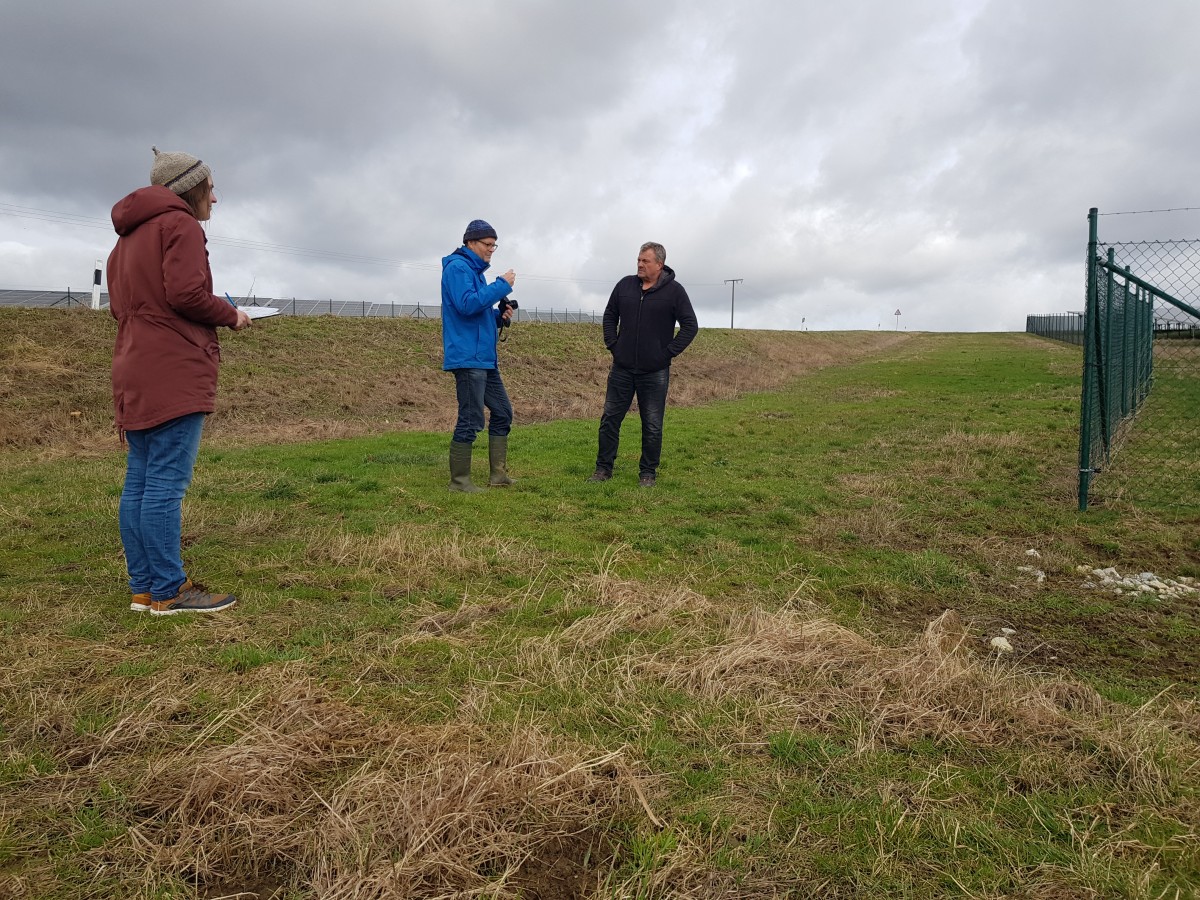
x: 639, y: 331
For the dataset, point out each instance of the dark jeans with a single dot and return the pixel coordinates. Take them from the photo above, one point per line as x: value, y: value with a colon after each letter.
x: 158, y: 471
x: 476, y: 389
x: 651, y: 391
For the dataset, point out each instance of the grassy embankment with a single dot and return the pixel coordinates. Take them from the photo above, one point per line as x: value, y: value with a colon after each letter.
x: 745, y: 681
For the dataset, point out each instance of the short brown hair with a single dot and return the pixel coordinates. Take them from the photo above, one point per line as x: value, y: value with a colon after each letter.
x: 660, y: 252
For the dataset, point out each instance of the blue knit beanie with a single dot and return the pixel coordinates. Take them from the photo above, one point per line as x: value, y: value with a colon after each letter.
x: 478, y: 230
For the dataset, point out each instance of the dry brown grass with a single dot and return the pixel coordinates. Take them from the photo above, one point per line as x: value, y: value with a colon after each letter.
x: 304, y: 379
x: 288, y: 786
x: 578, y: 654
x: 796, y: 671
x: 54, y: 380
x: 403, y: 561
x: 945, y: 687
x: 264, y: 782
x: 413, y: 551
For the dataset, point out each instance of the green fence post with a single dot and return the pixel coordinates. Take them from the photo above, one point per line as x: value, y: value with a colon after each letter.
x: 1143, y: 343
x: 1132, y: 390
x: 1089, y: 366
x: 1147, y: 343
x: 1126, y: 375
x: 1138, y: 388
x: 1144, y: 301
x: 1106, y: 366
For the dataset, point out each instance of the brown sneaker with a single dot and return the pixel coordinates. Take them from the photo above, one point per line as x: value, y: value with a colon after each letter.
x: 140, y: 602
x: 601, y: 475
x: 646, y: 481
x: 192, y: 597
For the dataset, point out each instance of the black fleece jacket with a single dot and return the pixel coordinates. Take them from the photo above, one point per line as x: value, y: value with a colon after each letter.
x: 639, y: 326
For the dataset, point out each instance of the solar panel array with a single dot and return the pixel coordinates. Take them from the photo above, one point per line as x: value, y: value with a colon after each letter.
x: 351, y: 308
x: 50, y: 298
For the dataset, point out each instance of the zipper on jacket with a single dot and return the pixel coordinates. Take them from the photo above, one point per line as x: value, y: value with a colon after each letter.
x: 637, y: 344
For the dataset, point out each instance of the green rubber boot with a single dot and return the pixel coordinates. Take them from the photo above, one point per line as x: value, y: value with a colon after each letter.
x: 460, y: 468
x: 498, y: 458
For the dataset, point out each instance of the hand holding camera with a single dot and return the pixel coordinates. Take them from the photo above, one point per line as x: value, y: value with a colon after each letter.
x: 504, y: 311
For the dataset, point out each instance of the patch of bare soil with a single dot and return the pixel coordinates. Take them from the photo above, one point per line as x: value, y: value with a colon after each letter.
x: 316, y: 378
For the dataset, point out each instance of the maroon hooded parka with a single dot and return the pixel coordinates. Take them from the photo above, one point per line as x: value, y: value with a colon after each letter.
x: 160, y: 292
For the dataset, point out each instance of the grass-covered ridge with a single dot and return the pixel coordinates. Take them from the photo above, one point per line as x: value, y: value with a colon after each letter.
x: 292, y: 379
x: 769, y: 676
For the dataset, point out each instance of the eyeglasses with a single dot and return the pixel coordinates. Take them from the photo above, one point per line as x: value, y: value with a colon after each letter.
x: 488, y: 245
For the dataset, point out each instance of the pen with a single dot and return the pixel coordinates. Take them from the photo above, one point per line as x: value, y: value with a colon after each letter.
x: 230, y: 299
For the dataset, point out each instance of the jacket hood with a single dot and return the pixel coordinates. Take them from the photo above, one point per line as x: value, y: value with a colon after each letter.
x: 665, y: 277
x: 143, y: 205
x: 472, y: 258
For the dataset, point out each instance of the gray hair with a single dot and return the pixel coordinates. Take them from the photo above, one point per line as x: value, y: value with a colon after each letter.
x: 660, y: 252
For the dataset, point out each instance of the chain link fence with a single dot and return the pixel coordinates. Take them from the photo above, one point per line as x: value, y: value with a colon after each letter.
x: 1065, y: 327
x: 1139, y: 436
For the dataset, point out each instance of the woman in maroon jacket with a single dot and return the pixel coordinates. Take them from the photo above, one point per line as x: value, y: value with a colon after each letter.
x: 164, y: 371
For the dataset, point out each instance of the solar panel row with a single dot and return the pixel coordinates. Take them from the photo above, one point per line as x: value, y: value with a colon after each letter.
x: 351, y: 308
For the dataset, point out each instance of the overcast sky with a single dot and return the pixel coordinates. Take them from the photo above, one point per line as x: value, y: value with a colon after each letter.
x: 845, y: 159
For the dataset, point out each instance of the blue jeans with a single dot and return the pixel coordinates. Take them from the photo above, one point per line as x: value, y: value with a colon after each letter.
x: 157, y: 474
x: 476, y: 389
x: 651, y: 391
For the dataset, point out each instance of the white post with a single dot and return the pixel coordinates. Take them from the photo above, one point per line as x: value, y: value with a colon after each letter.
x: 96, y: 287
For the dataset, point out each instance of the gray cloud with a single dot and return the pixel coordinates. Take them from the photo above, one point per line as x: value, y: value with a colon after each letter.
x: 845, y: 160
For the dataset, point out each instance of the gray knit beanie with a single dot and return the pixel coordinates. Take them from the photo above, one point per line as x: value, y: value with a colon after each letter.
x: 178, y: 171
x: 478, y: 230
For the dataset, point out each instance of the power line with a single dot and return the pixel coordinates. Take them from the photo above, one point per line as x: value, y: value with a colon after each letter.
x: 1142, y: 212
x: 27, y: 212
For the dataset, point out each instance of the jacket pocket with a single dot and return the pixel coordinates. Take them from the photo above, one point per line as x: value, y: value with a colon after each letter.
x: 661, y: 359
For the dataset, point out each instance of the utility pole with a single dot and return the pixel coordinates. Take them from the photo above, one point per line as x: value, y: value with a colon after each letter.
x: 733, y: 283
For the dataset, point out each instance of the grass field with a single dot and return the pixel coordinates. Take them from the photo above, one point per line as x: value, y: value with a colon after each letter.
x: 768, y: 676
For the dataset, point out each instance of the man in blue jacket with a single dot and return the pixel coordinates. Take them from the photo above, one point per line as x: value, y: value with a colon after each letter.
x: 639, y: 331
x: 469, y: 334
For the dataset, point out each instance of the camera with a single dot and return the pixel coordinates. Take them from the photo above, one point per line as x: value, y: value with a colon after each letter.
x: 509, y: 302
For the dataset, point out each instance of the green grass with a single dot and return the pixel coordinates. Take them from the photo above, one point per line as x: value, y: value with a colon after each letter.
x: 874, y: 496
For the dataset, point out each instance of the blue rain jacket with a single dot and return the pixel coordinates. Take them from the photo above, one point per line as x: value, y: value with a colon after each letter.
x: 468, y: 311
